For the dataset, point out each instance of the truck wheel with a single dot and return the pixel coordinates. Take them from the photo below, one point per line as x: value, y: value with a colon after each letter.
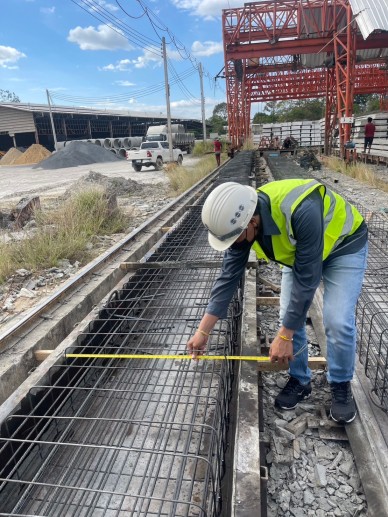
x: 180, y: 159
x: 159, y: 164
x: 137, y: 168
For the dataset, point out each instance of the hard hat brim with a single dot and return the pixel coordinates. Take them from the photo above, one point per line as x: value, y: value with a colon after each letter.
x: 218, y: 245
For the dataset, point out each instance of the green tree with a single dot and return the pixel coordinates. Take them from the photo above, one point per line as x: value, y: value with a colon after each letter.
x: 7, y: 96
x: 261, y: 118
x: 306, y: 109
x: 271, y: 108
x: 221, y: 110
x: 373, y: 103
x: 366, y: 103
x: 219, y: 119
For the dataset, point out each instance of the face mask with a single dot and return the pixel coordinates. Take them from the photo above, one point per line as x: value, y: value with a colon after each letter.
x: 242, y: 246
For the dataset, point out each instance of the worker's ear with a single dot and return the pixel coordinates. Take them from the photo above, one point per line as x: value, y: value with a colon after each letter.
x: 255, y: 221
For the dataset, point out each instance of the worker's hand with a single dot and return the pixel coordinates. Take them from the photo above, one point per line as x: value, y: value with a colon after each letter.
x: 196, y: 345
x: 281, y: 351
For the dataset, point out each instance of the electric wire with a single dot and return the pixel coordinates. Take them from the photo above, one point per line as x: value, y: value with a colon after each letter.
x: 124, y: 96
x: 180, y: 84
x: 118, y: 26
x: 147, y: 44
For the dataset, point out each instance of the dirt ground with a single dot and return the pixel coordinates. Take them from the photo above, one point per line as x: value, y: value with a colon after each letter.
x: 17, y: 182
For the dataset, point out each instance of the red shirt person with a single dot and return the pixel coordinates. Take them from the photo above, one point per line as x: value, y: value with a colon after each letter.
x: 217, y: 150
x: 369, y: 133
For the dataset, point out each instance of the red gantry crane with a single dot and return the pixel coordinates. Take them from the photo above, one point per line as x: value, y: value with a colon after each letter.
x: 298, y: 49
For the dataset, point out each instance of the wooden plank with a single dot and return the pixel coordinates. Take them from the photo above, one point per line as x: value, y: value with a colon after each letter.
x: 185, y: 264
x: 266, y: 282
x: 315, y: 363
x: 267, y: 300
x: 41, y: 355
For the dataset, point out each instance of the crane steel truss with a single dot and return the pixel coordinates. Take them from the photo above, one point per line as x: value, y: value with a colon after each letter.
x: 267, y: 43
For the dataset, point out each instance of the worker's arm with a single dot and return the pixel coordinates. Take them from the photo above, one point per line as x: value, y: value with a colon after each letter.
x: 307, y: 223
x: 233, y: 267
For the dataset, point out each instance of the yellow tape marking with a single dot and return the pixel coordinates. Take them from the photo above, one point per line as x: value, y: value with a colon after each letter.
x: 173, y: 357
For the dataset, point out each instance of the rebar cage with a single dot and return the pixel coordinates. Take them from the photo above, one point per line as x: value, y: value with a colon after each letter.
x: 142, y: 437
x: 372, y: 309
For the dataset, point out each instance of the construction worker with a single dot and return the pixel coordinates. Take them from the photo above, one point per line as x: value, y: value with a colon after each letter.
x: 316, y: 235
x: 369, y: 133
x: 217, y: 150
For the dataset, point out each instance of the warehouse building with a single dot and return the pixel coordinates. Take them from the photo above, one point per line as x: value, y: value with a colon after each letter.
x: 22, y: 125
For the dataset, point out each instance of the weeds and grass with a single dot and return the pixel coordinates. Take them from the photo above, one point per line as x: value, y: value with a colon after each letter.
x: 359, y: 171
x: 181, y: 179
x: 63, y: 233
x: 249, y: 145
x: 202, y: 148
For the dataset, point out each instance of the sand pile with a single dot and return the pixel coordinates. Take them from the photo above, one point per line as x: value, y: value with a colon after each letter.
x: 77, y: 153
x: 10, y: 156
x: 34, y: 154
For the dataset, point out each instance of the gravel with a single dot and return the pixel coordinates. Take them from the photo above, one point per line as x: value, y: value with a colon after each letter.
x: 77, y: 153
x: 310, y: 475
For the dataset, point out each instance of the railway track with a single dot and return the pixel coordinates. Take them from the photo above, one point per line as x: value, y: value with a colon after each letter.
x: 139, y: 437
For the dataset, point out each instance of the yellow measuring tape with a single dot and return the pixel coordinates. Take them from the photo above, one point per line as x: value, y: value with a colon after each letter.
x: 258, y: 358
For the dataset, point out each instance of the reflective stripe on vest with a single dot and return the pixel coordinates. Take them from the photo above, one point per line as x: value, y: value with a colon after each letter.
x: 340, y: 218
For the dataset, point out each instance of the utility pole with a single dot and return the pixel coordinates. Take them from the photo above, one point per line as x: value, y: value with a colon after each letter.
x: 202, y: 103
x: 167, y: 87
x: 52, y: 120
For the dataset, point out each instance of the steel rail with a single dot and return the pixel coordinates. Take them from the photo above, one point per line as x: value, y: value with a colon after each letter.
x: 180, y: 202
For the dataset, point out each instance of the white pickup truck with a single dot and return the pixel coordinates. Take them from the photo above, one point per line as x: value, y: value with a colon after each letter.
x: 153, y: 154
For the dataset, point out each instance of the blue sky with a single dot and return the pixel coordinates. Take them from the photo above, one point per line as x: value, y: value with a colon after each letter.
x: 106, y: 53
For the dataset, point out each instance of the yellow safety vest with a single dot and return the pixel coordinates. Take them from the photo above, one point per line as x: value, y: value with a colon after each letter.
x: 340, y: 217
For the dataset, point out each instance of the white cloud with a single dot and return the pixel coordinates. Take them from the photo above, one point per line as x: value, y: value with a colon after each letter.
x: 9, y: 56
x: 120, y: 66
x: 150, y: 55
x: 124, y: 83
x: 208, y: 9
x: 47, y: 10
x: 180, y: 108
x: 102, y: 38
x: 153, y: 55
x: 207, y: 48
x: 105, y: 5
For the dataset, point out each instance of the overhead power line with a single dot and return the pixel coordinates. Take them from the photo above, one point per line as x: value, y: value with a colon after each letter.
x: 135, y: 94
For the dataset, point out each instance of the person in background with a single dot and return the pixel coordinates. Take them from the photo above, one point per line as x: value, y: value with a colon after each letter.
x: 315, y: 234
x: 217, y: 150
x: 369, y: 133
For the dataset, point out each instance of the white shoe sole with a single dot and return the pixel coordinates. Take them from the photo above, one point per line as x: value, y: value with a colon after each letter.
x: 342, y: 421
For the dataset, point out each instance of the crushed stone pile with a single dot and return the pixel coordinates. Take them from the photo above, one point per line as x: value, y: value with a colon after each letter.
x: 77, y: 153
x: 10, y: 156
x: 114, y: 186
x: 34, y: 154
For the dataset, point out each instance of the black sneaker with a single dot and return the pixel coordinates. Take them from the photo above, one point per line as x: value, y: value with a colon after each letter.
x: 343, y: 408
x: 292, y: 393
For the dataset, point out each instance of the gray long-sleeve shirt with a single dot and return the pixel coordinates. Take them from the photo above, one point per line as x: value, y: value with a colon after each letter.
x: 308, y: 228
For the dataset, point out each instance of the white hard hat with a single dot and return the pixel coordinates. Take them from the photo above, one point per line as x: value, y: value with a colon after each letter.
x: 227, y: 212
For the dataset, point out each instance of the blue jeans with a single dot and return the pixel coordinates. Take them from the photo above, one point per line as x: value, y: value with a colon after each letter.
x: 342, y: 282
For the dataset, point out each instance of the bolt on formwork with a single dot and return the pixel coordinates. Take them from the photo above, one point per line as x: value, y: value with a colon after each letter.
x: 141, y: 437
